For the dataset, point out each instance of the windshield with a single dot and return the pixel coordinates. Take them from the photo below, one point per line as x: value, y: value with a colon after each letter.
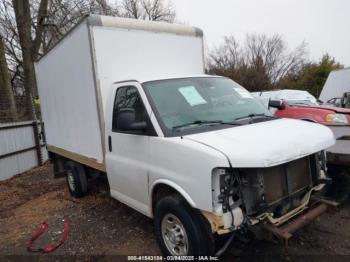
x: 191, y: 103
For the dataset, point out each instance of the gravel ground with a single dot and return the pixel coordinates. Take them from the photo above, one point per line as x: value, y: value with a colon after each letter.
x: 103, y: 228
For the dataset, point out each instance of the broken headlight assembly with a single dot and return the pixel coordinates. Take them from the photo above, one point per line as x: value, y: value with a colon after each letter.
x: 226, y: 196
x: 226, y: 193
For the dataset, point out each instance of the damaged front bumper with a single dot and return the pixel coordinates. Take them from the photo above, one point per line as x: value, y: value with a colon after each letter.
x: 282, y: 219
x: 271, y: 197
x: 282, y: 227
x: 285, y: 231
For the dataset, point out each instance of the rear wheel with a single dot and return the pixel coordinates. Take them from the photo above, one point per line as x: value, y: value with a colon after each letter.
x: 180, y: 229
x: 58, y: 165
x: 76, y: 179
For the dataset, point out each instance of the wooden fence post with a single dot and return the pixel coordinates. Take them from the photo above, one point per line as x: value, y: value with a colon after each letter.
x: 37, y: 143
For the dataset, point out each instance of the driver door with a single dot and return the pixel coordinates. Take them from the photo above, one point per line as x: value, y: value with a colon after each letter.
x: 127, y: 152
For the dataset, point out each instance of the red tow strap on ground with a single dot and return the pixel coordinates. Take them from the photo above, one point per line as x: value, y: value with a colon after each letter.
x: 51, y: 247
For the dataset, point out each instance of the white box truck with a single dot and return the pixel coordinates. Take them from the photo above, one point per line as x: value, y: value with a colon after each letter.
x: 336, y: 90
x: 197, y: 153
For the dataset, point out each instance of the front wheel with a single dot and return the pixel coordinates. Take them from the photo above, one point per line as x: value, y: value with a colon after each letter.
x: 180, y: 229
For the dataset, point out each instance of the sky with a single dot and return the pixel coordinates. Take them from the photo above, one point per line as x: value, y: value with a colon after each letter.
x: 323, y: 24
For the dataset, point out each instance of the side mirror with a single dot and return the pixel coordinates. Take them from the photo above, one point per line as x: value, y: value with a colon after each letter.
x: 126, y: 121
x: 277, y: 104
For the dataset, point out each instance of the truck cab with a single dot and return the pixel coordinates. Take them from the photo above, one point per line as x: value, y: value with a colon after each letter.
x: 204, y: 143
x: 343, y: 102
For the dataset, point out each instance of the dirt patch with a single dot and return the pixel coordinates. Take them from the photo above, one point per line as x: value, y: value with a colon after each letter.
x: 26, y: 187
x: 101, y: 226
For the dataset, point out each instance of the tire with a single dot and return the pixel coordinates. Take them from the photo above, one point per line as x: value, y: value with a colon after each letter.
x: 76, y: 179
x: 58, y: 166
x: 193, y: 227
x: 339, y: 190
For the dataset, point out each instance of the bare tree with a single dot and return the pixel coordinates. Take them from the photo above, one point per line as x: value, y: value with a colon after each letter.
x: 6, y: 92
x: 257, y: 64
x: 105, y: 8
x: 8, y: 30
x: 152, y: 10
x: 132, y: 9
x: 158, y: 10
x: 272, y: 53
x: 64, y: 14
x: 226, y: 59
x: 29, y: 45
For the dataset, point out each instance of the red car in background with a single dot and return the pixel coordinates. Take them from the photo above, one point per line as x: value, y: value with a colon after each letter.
x: 302, y: 105
x: 321, y: 114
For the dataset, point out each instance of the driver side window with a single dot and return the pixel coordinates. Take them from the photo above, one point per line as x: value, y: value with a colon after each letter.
x: 128, y: 97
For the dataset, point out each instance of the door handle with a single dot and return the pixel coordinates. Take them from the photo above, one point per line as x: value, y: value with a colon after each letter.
x: 110, y: 143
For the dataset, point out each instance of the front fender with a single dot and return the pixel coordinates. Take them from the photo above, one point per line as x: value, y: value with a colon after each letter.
x: 173, y: 185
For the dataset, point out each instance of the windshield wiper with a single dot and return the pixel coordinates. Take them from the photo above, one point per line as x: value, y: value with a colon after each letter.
x: 206, y: 122
x: 254, y: 115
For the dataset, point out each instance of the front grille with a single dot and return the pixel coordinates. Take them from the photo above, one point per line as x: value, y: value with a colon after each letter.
x: 285, y: 180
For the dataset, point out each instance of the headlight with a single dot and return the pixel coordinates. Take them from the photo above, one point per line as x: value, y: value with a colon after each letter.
x: 337, y: 118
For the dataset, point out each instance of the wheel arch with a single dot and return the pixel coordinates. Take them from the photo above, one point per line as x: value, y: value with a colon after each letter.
x: 163, y: 187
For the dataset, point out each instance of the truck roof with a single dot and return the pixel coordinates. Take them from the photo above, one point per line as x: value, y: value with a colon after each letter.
x: 132, y: 24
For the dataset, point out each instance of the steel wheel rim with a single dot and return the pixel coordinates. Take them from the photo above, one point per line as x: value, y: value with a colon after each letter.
x: 174, y: 235
x: 70, y: 178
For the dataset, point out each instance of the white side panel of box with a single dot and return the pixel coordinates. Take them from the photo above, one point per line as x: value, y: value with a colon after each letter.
x: 338, y: 82
x: 139, y: 55
x: 68, y: 97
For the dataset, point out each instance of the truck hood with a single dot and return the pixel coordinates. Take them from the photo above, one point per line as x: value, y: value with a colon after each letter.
x: 267, y: 143
x: 337, y: 109
x: 330, y: 108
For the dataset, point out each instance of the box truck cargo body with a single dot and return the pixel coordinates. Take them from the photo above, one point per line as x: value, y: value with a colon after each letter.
x: 337, y: 84
x: 197, y: 153
x: 74, y: 77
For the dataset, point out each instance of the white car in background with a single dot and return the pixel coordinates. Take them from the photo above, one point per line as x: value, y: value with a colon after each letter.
x: 292, y: 97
